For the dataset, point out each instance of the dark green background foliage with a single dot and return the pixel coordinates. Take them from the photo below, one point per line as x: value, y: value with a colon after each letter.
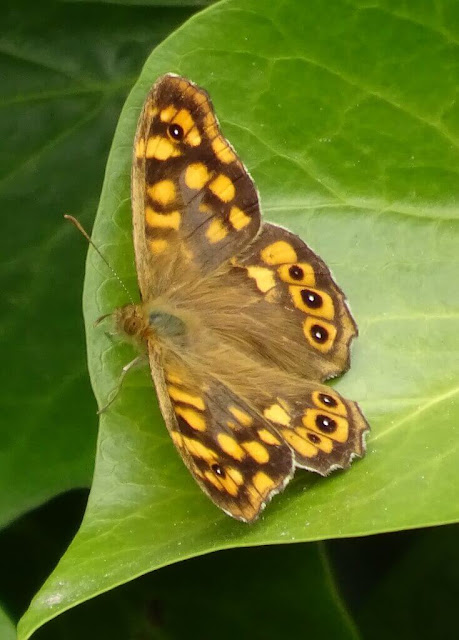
x: 346, y: 114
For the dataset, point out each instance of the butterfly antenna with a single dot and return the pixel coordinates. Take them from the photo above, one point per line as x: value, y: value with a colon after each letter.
x: 75, y: 222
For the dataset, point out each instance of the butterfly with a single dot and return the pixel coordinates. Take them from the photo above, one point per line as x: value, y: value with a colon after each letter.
x: 241, y: 320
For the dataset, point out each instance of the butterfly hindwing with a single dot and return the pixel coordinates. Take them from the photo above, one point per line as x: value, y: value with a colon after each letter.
x: 297, y: 292
x: 324, y: 430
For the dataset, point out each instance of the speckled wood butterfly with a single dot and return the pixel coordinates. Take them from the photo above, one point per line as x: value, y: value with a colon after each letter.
x: 241, y: 320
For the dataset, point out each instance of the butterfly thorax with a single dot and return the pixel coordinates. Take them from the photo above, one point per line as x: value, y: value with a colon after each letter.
x: 149, y: 322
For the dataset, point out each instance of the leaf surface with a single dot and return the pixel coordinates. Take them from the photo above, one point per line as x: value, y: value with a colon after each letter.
x: 334, y: 114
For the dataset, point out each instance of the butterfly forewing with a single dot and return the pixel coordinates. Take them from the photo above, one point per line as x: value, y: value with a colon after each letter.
x: 234, y: 453
x: 191, y: 194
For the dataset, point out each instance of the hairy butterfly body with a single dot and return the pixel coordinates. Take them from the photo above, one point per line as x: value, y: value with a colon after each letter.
x: 241, y: 320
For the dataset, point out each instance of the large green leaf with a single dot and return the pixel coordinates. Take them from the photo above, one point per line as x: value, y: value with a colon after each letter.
x: 334, y: 112
x: 60, y: 101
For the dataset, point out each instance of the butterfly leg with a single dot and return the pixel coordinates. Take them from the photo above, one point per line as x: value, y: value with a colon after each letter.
x: 138, y: 360
x: 100, y: 319
x: 109, y: 334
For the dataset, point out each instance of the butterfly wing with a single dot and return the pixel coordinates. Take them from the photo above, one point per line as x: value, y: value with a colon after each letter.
x: 192, y: 197
x: 324, y: 430
x: 290, y: 287
x: 242, y: 440
x: 233, y: 452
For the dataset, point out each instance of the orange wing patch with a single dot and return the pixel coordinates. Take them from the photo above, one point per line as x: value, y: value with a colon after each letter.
x: 162, y: 192
x: 160, y: 148
x: 279, y: 252
x: 196, y: 176
x: 223, y: 150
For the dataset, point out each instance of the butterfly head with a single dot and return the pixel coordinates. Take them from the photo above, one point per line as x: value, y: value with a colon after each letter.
x: 131, y: 321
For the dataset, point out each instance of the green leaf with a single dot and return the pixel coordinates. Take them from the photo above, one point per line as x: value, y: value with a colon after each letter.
x: 334, y: 114
x: 60, y: 101
x: 191, y: 599
x: 7, y: 629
